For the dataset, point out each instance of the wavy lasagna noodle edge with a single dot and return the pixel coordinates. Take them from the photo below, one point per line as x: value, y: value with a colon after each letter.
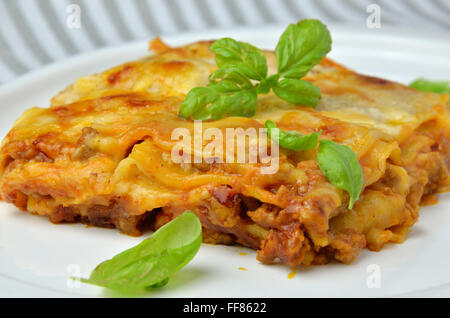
x: 101, y: 155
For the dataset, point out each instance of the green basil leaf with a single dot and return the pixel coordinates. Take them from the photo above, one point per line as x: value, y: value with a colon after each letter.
x: 341, y: 167
x: 196, y: 99
x: 230, y: 75
x: 267, y: 84
x: 160, y: 284
x: 292, y: 139
x: 240, y: 57
x: 425, y: 85
x: 229, y: 103
x: 219, y: 99
x: 154, y: 260
x: 302, y: 46
x: 297, y: 92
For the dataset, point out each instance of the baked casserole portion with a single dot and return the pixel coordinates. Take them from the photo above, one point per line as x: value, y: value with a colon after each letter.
x: 101, y: 154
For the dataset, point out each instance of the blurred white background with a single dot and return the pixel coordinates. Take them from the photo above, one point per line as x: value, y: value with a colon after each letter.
x: 37, y: 32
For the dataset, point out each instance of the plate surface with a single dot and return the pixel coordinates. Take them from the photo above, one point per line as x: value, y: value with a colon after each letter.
x: 38, y: 257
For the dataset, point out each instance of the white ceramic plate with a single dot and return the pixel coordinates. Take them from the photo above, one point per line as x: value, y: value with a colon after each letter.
x: 37, y: 257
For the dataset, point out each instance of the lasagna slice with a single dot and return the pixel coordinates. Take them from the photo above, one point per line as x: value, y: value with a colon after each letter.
x: 101, y: 154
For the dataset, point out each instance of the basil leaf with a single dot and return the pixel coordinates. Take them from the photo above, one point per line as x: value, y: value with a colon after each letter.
x: 196, y: 99
x: 154, y: 260
x: 240, y: 57
x: 230, y: 75
x: 297, y: 92
x: 239, y: 103
x: 229, y: 100
x: 232, y: 95
x: 425, y: 85
x: 302, y: 46
x: 292, y: 139
x: 267, y: 84
x: 341, y: 167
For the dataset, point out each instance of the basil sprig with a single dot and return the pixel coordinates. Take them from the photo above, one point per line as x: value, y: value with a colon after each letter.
x: 425, y: 85
x: 242, y: 74
x: 151, y: 263
x: 337, y: 162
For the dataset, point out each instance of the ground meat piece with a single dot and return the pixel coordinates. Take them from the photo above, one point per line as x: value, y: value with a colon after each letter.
x: 346, y: 245
x: 289, y: 245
